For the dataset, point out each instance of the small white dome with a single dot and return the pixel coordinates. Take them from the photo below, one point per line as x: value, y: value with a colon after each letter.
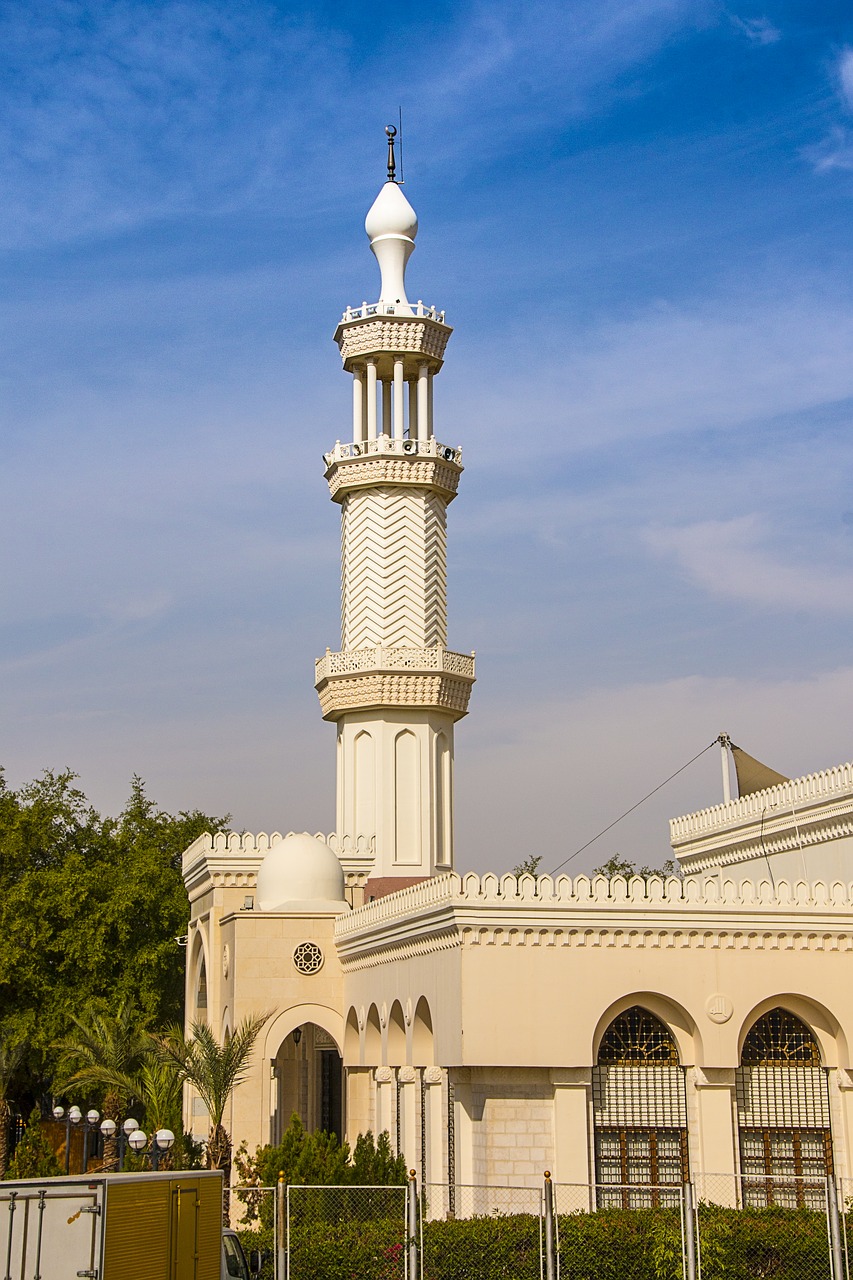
x: 391, y: 215
x: 300, y: 873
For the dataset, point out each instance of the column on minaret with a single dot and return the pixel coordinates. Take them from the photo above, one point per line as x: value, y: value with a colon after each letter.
x: 386, y: 407
x: 424, y: 432
x: 399, y: 393
x: 430, y: 428
x: 413, y: 409
x: 358, y: 404
x: 371, y: 399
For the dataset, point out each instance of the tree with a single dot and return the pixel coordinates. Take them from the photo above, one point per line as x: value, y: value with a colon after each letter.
x: 34, y: 1157
x: 214, y: 1070
x: 619, y: 866
x: 528, y: 866
x: 104, y: 1054
x: 90, y: 909
x: 11, y: 1057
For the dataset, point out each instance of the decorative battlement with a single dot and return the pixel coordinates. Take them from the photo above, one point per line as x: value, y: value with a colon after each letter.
x: 417, y: 309
x: 230, y: 859
x: 797, y: 814
x: 371, y: 678
x: 491, y: 910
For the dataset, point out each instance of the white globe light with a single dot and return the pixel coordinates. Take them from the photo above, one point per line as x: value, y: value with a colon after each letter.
x: 75, y: 1115
x: 58, y: 1113
x: 137, y: 1139
x: 165, y: 1139
x: 108, y: 1127
x: 93, y: 1116
x: 129, y: 1125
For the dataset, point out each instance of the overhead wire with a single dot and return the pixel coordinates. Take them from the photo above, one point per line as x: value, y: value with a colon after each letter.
x: 646, y: 797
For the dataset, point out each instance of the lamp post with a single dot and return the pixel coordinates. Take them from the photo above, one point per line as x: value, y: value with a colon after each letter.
x: 92, y: 1118
x: 73, y: 1117
x: 163, y: 1140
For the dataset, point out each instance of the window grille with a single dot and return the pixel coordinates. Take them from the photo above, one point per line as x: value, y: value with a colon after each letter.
x: 779, y: 1038
x: 783, y: 1115
x: 637, y: 1037
x: 640, y: 1114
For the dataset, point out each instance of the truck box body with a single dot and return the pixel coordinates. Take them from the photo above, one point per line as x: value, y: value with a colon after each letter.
x: 118, y: 1226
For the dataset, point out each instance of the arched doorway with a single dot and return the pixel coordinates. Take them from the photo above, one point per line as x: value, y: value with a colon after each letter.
x: 783, y: 1114
x: 640, y: 1112
x: 308, y: 1069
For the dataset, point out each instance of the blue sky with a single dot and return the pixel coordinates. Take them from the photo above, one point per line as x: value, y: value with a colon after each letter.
x: 637, y: 216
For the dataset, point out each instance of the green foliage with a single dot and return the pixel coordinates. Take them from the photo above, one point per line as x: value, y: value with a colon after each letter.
x: 34, y: 1157
x: 90, y: 907
x: 619, y: 866
x: 528, y: 866
x: 213, y: 1069
x: 260, y: 1238
x: 314, y: 1160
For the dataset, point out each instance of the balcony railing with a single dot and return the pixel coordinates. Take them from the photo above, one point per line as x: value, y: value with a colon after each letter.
x: 390, y: 445
x: 418, y: 309
x: 353, y: 661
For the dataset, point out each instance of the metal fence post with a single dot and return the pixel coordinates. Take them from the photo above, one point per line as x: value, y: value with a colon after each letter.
x: 412, y: 1225
x: 550, y: 1238
x: 689, y: 1232
x: 834, y: 1230
x: 282, y: 1226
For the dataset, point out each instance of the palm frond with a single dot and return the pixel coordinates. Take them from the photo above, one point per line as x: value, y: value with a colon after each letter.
x: 214, y: 1070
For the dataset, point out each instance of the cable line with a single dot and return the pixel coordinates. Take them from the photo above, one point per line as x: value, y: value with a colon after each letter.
x: 635, y: 806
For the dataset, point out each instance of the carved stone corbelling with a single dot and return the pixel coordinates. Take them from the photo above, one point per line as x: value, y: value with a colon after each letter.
x: 393, y: 469
x: 375, y: 335
x: 433, y: 1075
x: 374, y: 690
x: 406, y: 1075
x: 383, y: 1075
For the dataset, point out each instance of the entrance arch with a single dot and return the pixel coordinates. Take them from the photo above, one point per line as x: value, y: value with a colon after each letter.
x: 307, y: 1068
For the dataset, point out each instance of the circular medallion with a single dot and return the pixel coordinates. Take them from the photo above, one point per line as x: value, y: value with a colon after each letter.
x: 719, y: 1008
x: 307, y: 958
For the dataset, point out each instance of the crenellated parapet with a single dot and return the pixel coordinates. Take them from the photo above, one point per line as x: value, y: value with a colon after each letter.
x: 637, y: 913
x: 230, y: 859
x: 797, y: 815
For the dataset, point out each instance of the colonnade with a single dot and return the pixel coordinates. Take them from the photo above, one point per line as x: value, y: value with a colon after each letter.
x: 385, y: 414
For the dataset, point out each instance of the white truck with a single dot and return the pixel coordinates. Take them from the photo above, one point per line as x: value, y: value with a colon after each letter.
x: 119, y: 1226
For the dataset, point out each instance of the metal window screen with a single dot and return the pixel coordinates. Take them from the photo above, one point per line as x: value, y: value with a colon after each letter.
x: 636, y: 1037
x: 641, y: 1097
x: 779, y: 1038
x: 788, y: 1097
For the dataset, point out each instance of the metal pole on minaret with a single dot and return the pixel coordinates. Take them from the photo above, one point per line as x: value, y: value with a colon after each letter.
x: 394, y: 690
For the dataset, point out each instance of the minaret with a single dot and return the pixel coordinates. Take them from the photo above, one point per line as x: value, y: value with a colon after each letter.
x: 395, y: 690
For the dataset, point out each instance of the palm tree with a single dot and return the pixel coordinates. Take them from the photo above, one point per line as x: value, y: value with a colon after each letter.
x: 105, y: 1052
x: 11, y: 1056
x: 214, y: 1070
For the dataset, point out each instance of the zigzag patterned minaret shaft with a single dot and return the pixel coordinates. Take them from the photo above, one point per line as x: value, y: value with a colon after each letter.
x: 394, y: 569
x: 394, y: 690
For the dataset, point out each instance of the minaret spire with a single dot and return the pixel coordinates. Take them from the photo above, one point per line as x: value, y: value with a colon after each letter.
x: 394, y: 690
x: 392, y: 163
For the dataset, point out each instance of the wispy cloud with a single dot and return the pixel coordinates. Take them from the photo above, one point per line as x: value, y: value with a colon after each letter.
x: 835, y: 150
x: 758, y: 30
x: 845, y: 76
x: 731, y: 558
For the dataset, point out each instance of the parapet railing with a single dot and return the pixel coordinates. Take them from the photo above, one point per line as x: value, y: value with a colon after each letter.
x: 433, y: 659
x: 389, y: 444
x: 418, y: 309
x: 614, y: 893
x: 785, y: 795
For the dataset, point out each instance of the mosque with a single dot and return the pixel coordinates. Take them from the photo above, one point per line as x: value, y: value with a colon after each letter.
x: 622, y: 1032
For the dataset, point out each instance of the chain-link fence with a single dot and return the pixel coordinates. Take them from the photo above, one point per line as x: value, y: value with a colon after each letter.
x: 616, y: 1231
x: 475, y: 1231
x: 751, y: 1227
x: 342, y: 1232
x: 258, y: 1227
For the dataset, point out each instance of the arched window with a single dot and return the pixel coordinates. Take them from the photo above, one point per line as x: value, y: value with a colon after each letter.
x: 640, y: 1113
x: 783, y: 1114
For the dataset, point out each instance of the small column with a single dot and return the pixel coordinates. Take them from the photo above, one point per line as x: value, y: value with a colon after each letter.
x: 399, y: 401
x: 572, y: 1093
x: 371, y: 399
x: 386, y: 1109
x: 714, y: 1091
x: 423, y: 402
x: 429, y: 406
x: 413, y: 409
x: 436, y: 1130
x: 358, y: 405
x: 386, y: 407
x: 407, y: 1138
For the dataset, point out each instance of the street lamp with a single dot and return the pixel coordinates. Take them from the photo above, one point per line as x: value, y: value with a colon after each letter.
x: 163, y: 1140
x: 92, y: 1118
x: 74, y: 1116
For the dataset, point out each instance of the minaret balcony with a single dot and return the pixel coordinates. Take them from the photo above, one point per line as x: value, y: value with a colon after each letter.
x: 386, y: 460
x: 379, y: 332
x: 373, y: 678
